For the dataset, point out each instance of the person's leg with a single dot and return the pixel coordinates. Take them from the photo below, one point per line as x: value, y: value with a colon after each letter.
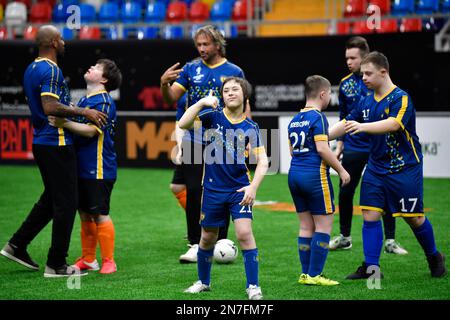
x: 244, y: 235
x: 88, y: 237
x: 64, y: 193
x: 178, y: 186
x: 305, y: 235
x: 319, y: 243
x: 106, y: 239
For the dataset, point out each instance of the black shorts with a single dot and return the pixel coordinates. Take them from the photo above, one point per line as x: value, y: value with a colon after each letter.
x: 178, y: 175
x: 94, y: 195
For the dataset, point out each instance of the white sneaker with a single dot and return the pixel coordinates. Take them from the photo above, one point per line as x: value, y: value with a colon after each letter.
x: 197, y: 287
x: 340, y: 242
x: 392, y: 246
x: 190, y: 255
x: 254, y: 292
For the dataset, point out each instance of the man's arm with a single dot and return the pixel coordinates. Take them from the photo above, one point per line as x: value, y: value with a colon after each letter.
x: 80, y: 129
x: 337, y: 130
x: 171, y: 93
x: 377, y: 127
x: 53, y: 107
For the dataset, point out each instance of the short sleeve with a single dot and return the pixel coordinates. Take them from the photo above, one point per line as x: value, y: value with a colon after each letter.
x: 400, y: 110
x: 207, y: 116
x: 50, y: 82
x: 183, y: 80
x: 255, y: 141
x: 320, y: 128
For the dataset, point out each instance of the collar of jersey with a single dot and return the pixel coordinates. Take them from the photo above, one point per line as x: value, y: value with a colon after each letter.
x: 234, y: 122
x: 384, y: 95
x: 46, y: 59
x: 95, y: 93
x: 309, y: 108
x: 215, y: 65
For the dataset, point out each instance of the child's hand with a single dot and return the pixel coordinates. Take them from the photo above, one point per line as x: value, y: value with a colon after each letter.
x: 56, y: 121
x: 210, y: 100
x: 345, y: 177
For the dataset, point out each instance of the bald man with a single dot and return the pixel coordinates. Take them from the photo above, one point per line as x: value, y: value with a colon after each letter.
x: 47, y: 94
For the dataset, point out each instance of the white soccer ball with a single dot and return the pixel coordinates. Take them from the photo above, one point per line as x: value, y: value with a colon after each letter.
x: 225, y: 251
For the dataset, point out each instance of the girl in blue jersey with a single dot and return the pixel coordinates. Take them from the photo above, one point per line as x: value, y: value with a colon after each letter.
x: 309, y: 180
x: 227, y: 187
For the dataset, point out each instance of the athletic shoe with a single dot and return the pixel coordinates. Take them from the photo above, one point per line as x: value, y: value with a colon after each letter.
x: 320, y: 280
x: 108, y: 266
x: 392, y: 246
x: 302, y: 279
x: 362, y: 273
x: 436, y: 264
x: 190, y: 255
x: 10, y: 251
x: 64, y: 271
x: 84, y: 265
x: 254, y: 292
x: 197, y: 287
x: 341, y: 242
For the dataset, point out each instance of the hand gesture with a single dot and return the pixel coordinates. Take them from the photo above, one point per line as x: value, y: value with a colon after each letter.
x: 353, y: 127
x: 210, y: 100
x: 249, y: 195
x: 56, y: 121
x: 171, y: 74
x: 95, y: 116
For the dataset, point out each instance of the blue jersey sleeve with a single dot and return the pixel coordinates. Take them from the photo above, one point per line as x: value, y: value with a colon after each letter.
x: 183, y: 80
x: 342, y: 104
x: 401, y: 109
x: 357, y: 113
x: 319, y: 128
x: 207, y: 117
x: 255, y: 141
x: 50, y: 82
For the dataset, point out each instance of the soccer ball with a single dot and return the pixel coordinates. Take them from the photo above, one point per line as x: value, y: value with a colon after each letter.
x: 225, y: 251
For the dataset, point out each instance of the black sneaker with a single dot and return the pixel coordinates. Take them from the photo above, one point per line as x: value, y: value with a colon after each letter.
x: 10, y: 251
x: 64, y: 271
x: 362, y: 273
x: 436, y: 264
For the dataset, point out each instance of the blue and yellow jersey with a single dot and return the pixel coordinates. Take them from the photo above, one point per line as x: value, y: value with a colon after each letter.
x: 307, y: 127
x: 225, y: 152
x: 96, y: 156
x: 43, y: 77
x: 351, y: 90
x: 390, y: 152
x: 198, y: 78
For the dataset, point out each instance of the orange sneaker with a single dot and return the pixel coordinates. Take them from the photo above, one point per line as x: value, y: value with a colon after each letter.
x: 108, y: 266
x: 84, y: 265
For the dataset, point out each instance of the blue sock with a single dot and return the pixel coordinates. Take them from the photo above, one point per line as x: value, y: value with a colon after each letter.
x: 425, y: 236
x: 319, y: 252
x: 372, y: 234
x: 304, y: 252
x: 251, y: 266
x: 204, y: 262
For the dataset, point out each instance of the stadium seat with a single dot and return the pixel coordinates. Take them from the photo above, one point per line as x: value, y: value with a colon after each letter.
x: 355, y: 8
x: 411, y: 25
x: 427, y: 6
x: 110, y: 33
x: 209, y: 3
x: 70, y: 2
x: 177, y: 12
x: 108, y: 13
x: 41, y: 12
x: 131, y: 12
x: 239, y: 12
x: 52, y: 3
x: 27, y: 3
x: 1, y: 12
x: 155, y: 12
x: 430, y: 25
x: 16, y: 15
x: 173, y: 32
x: 3, y: 33
x: 402, y: 7
x: 67, y: 34
x: 87, y: 13
x: 221, y: 11
x: 388, y: 26
x: 360, y: 27
x: 89, y: 33
x: 198, y: 12
x: 384, y: 5
x: 95, y: 3
x: 60, y: 13
x: 343, y: 28
x: 150, y: 33
x: 30, y: 33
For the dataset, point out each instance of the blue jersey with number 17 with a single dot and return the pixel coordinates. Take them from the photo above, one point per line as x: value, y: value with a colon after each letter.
x: 307, y: 127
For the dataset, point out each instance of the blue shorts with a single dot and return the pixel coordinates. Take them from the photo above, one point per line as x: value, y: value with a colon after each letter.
x: 216, y: 205
x: 400, y: 193
x: 311, y: 191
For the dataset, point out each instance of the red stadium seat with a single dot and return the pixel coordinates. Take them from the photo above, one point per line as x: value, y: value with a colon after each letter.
x: 41, y: 12
x: 384, y: 5
x: 343, y: 28
x: 411, y: 25
x: 360, y: 27
x: 240, y: 10
x: 388, y: 26
x: 177, y: 12
x: 30, y: 33
x: 3, y: 33
x: 50, y: 2
x: 355, y: 8
x: 89, y: 33
x: 198, y: 12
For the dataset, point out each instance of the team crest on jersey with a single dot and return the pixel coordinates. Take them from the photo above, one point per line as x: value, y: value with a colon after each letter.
x: 199, y: 76
x: 222, y: 78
